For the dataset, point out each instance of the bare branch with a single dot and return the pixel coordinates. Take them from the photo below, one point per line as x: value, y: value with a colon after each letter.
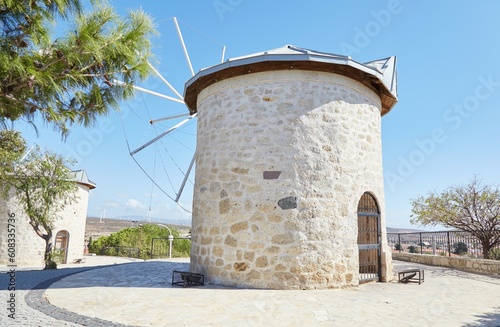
x: 474, y: 208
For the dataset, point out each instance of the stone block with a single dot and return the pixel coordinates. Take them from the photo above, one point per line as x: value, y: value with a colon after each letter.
x: 249, y: 256
x: 224, y: 206
x: 275, y: 218
x: 241, y: 171
x: 282, y: 239
x: 273, y: 249
x: 266, y: 207
x: 261, y: 262
x: 231, y: 241
x: 206, y: 240
x: 218, y: 251
x: 257, y: 216
x: 214, y: 231
x: 223, y: 194
x: 238, y: 227
x: 254, y: 275
x: 256, y: 246
x: 280, y: 267
x: 240, y: 266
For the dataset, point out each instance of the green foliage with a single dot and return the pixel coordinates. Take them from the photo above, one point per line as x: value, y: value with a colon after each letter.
x: 12, y: 147
x: 494, y: 254
x: 57, y: 256
x: 460, y: 248
x: 70, y: 79
x: 50, y: 265
x: 474, y: 208
x: 413, y: 249
x: 121, y: 243
x: 41, y: 183
x: 397, y: 247
x: 181, y: 248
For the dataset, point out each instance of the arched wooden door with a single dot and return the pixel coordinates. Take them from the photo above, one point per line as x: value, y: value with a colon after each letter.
x: 62, y: 241
x: 369, y: 238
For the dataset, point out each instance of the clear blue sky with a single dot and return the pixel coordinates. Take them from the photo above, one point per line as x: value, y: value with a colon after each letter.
x: 442, y: 132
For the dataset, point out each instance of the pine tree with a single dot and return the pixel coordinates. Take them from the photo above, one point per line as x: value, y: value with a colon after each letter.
x: 68, y: 79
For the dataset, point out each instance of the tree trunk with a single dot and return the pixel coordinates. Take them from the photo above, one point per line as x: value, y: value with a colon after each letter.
x: 49, y: 263
x: 486, y: 248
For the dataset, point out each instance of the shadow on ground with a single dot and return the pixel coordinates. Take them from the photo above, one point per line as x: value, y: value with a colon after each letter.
x: 486, y: 319
x: 135, y: 274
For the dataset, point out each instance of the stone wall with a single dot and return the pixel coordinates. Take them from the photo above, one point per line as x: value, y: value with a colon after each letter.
x: 490, y: 267
x: 30, y: 247
x: 282, y: 160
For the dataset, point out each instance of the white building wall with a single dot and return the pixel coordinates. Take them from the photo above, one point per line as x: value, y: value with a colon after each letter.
x: 283, y: 158
x: 30, y: 247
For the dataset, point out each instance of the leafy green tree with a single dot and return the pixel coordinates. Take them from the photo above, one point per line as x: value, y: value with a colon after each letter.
x: 68, y: 79
x: 460, y: 248
x: 40, y: 182
x: 474, y: 208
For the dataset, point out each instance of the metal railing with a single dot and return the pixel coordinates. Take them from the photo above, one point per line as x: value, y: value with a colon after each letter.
x: 160, y: 247
x: 438, y: 243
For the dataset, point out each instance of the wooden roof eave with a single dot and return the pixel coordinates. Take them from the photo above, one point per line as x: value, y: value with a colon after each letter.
x: 369, y: 80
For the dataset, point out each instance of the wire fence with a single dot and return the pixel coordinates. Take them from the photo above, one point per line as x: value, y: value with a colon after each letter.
x: 447, y: 243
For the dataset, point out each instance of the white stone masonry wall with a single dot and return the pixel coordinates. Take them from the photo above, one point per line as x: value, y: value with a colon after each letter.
x: 30, y: 248
x: 283, y: 158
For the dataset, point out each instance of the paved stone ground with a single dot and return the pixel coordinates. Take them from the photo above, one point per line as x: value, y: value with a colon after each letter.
x: 140, y: 294
x: 32, y: 308
x: 27, y: 311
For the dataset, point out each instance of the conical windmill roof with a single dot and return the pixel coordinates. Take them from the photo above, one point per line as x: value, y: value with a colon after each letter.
x: 80, y: 176
x: 379, y: 75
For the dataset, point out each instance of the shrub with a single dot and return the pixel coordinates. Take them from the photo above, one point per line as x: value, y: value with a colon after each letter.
x: 460, y: 248
x: 494, y: 254
x: 413, y: 249
x: 57, y: 256
x: 130, y: 241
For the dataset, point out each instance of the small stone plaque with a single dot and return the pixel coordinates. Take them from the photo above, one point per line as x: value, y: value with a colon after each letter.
x: 288, y: 203
x: 272, y: 174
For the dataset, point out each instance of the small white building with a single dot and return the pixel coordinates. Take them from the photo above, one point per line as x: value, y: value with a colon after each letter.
x: 68, y: 233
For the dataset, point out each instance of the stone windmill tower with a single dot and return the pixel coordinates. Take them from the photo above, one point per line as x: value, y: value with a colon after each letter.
x: 289, y: 185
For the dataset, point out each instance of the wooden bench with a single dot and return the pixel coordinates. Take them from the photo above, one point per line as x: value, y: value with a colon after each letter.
x: 411, y: 276
x: 186, y: 278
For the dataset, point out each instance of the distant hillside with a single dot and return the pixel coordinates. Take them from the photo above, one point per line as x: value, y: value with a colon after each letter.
x: 161, y: 220
x: 403, y: 230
